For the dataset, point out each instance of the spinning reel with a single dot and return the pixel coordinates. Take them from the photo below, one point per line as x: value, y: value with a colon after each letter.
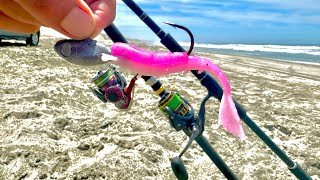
x: 182, y: 117
x: 111, y: 87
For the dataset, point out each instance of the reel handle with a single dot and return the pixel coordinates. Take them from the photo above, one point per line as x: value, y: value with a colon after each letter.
x: 179, y: 169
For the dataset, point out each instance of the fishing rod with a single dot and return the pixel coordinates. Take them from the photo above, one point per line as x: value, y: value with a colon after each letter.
x: 215, y: 90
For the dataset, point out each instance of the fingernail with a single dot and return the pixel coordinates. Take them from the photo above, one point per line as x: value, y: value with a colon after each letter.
x: 78, y: 23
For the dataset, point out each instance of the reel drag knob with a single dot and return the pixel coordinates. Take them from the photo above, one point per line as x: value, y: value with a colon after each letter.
x: 179, y: 169
x: 114, y: 94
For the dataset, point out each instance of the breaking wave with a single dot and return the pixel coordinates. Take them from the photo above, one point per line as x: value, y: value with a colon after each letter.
x: 310, y: 50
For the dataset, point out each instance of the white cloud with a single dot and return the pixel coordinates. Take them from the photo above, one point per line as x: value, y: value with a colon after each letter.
x: 290, y: 4
x: 268, y: 10
x: 215, y: 14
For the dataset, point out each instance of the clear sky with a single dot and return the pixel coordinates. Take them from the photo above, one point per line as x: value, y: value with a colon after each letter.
x: 228, y: 21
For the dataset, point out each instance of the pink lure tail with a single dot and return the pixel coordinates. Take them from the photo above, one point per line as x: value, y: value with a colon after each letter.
x: 229, y: 118
x: 228, y: 114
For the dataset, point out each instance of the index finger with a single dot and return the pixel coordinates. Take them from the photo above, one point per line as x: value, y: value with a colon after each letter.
x: 104, y: 12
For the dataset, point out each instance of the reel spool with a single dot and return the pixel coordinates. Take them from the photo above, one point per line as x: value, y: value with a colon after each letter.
x: 172, y: 104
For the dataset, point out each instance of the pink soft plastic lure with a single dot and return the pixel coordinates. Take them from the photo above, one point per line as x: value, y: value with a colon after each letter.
x: 162, y: 63
x: 89, y: 52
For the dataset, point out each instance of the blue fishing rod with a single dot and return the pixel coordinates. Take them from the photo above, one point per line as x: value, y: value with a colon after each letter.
x: 214, y: 90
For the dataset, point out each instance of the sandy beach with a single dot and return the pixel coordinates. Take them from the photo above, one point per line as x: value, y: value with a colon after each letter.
x: 53, y: 127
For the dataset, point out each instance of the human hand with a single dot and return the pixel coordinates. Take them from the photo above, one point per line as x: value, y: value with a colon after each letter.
x: 77, y: 19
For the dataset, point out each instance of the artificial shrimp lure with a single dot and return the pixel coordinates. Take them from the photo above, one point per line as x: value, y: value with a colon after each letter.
x: 89, y: 52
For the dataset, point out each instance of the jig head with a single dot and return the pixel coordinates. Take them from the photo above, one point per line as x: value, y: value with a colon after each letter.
x: 87, y: 52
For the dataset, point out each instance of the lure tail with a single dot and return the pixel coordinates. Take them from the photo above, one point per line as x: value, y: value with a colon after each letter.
x: 229, y: 118
x: 228, y: 114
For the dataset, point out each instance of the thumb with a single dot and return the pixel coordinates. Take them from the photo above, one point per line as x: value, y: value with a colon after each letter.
x: 72, y: 18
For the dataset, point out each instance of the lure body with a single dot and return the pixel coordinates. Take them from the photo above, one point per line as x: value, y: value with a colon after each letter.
x: 162, y: 63
x: 89, y: 52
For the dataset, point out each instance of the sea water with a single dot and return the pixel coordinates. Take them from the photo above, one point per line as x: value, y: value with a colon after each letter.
x: 277, y: 52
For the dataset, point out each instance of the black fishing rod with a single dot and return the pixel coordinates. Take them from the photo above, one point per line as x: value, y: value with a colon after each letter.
x: 215, y: 90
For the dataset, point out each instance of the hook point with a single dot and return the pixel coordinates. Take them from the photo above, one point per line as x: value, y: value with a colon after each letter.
x: 188, y: 31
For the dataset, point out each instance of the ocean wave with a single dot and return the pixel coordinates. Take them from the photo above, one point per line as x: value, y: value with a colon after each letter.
x: 310, y: 50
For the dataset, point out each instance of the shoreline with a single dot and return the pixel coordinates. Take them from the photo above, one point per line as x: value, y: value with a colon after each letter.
x: 271, y: 59
x: 266, y: 58
x: 301, y: 69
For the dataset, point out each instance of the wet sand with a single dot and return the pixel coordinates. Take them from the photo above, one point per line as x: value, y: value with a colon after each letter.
x: 52, y: 127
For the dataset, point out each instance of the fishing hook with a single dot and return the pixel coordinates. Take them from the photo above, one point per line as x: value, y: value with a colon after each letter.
x: 189, y: 33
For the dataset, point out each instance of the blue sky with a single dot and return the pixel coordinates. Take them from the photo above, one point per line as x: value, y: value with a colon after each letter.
x: 228, y: 21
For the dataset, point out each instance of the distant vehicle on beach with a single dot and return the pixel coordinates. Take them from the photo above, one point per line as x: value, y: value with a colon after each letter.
x: 31, y: 39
